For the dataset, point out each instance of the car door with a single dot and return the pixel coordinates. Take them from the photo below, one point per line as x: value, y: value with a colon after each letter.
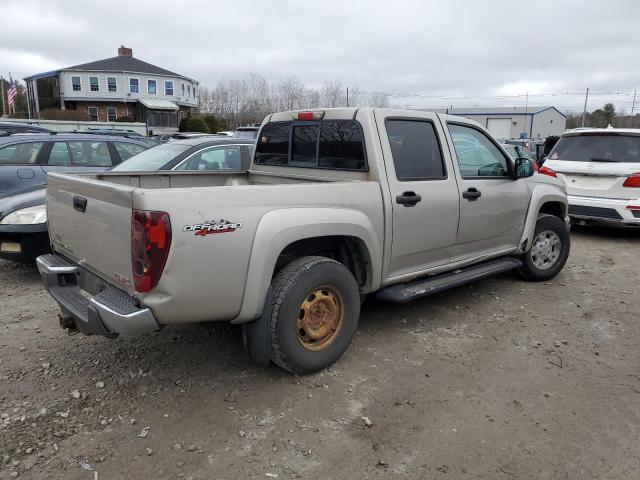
x: 20, y: 166
x: 493, y: 205
x: 423, y: 190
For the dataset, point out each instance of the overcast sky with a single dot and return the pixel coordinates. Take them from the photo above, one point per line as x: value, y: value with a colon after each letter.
x: 426, y: 53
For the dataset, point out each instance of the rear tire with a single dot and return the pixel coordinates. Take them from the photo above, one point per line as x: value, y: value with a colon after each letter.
x: 549, y: 250
x: 315, y: 307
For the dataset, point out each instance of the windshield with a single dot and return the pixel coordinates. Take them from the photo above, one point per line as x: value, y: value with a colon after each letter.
x: 153, y: 159
x: 598, y: 148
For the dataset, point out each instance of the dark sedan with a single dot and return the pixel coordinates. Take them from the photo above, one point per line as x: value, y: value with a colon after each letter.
x: 25, y: 161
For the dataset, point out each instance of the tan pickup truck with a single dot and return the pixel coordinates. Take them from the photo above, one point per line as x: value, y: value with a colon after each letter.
x: 337, y: 204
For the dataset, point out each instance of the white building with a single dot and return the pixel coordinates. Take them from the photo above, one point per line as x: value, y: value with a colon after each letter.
x: 516, y: 122
x: 116, y: 87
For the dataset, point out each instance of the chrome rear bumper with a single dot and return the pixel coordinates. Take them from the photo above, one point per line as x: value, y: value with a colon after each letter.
x: 91, y: 305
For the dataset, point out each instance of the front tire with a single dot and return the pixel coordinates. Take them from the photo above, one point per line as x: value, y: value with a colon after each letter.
x: 315, y: 308
x: 549, y: 250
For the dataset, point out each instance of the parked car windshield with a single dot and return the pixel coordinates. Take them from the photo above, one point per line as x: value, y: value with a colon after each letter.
x: 152, y: 159
x: 597, y: 148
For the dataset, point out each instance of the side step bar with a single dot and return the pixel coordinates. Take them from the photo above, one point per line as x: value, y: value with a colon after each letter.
x: 422, y: 287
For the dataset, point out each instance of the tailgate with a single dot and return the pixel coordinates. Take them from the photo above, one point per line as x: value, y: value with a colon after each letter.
x: 90, y: 223
x: 596, y: 179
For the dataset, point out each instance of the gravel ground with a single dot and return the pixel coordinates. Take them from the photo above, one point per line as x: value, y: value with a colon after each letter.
x: 498, y: 380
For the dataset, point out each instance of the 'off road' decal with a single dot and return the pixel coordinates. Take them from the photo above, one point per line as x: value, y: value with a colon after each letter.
x: 212, y: 226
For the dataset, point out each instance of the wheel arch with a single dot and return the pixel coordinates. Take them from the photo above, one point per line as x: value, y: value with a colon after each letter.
x: 283, y: 235
x: 544, y: 199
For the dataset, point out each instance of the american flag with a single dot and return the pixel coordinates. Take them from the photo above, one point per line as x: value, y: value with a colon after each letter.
x: 12, y: 93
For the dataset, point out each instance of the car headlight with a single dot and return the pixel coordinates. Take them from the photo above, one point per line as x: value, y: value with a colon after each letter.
x: 26, y: 216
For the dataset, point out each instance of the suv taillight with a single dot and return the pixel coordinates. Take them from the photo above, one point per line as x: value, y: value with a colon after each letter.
x: 547, y: 171
x: 150, y: 242
x: 632, y: 181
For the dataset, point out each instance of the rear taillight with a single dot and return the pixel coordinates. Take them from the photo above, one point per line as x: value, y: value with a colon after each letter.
x: 150, y: 242
x: 632, y: 181
x: 547, y: 171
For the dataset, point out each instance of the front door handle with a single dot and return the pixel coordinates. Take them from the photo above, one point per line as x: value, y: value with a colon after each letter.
x: 472, y: 194
x: 408, y: 199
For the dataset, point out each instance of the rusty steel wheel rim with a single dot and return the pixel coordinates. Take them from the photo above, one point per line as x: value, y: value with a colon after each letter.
x: 320, y: 318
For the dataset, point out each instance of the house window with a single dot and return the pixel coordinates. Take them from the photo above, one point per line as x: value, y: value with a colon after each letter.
x: 151, y: 87
x: 93, y: 84
x: 134, y: 85
x: 93, y: 114
x: 75, y: 84
x: 188, y: 90
x: 112, y: 86
x: 112, y: 114
x: 168, y: 87
x: 194, y: 92
x: 183, y: 89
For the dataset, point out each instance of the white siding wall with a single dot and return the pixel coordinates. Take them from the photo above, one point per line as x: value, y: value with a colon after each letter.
x: 548, y: 122
x: 122, y: 88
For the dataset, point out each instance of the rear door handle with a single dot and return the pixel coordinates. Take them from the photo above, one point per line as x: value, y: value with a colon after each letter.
x: 472, y: 194
x: 408, y: 199
x: 80, y: 204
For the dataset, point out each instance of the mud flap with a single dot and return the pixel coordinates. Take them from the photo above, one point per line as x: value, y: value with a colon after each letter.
x: 256, y: 335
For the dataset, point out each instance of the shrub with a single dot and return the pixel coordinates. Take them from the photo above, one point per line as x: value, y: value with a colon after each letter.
x: 182, y: 127
x: 197, y: 124
x: 56, y: 114
x: 214, y: 124
x: 126, y: 118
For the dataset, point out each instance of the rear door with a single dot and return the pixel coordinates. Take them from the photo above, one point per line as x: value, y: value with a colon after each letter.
x: 424, y: 193
x: 597, y: 164
x: 493, y: 205
x: 20, y: 166
x: 78, y: 156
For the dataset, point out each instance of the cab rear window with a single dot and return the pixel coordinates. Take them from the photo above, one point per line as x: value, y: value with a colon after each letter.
x: 328, y: 144
x: 598, y: 148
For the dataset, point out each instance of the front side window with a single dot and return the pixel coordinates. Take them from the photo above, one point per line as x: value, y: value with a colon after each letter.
x: 168, y: 87
x: 75, y: 84
x: 227, y: 157
x: 112, y: 114
x: 90, y: 154
x: 415, y: 150
x: 59, y: 155
x: 330, y: 144
x: 93, y: 114
x: 93, y: 84
x: 128, y: 150
x: 20, y: 154
x: 134, y: 85
x: 152, y: 88
x: 477, y: 155
x: 112, y: 84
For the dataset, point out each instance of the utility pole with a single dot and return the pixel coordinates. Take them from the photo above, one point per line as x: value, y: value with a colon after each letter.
x: 347, y: 96
x: 526, y: 113
x: 584, y: 111
x: 633, y: 106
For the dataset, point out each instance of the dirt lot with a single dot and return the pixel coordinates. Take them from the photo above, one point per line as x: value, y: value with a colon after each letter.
x: 498, y: 380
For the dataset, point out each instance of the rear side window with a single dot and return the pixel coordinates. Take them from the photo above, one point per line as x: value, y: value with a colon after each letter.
x: 90, y: 154
x: 128, y: 150
x: 59, y: 155
x: 415, y: 149
x: 20, y: 154
x: 329, y: 144
x: 597, y: 148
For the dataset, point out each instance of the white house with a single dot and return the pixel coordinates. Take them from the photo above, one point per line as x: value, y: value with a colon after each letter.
x: 116, y: 87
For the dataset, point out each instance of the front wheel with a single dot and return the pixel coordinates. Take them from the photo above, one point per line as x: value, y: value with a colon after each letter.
x: 549, y: 250
x: 315, y: 307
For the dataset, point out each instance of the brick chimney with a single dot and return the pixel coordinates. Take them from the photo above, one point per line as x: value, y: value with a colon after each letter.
x: 125, y: 52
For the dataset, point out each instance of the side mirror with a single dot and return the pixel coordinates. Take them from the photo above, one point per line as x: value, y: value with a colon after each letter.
x: 523, y: 167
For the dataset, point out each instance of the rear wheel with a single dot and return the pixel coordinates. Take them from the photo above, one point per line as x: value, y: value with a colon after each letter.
x: 549, y: 249
x: 315, y: 307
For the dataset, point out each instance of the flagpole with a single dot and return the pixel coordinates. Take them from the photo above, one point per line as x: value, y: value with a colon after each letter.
x: 4, y: 112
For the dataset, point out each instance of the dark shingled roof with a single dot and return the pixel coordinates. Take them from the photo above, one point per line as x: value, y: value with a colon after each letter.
x: 123, y: 64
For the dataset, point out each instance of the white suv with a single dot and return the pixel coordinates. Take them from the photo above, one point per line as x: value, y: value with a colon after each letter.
x: 601, y: 169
